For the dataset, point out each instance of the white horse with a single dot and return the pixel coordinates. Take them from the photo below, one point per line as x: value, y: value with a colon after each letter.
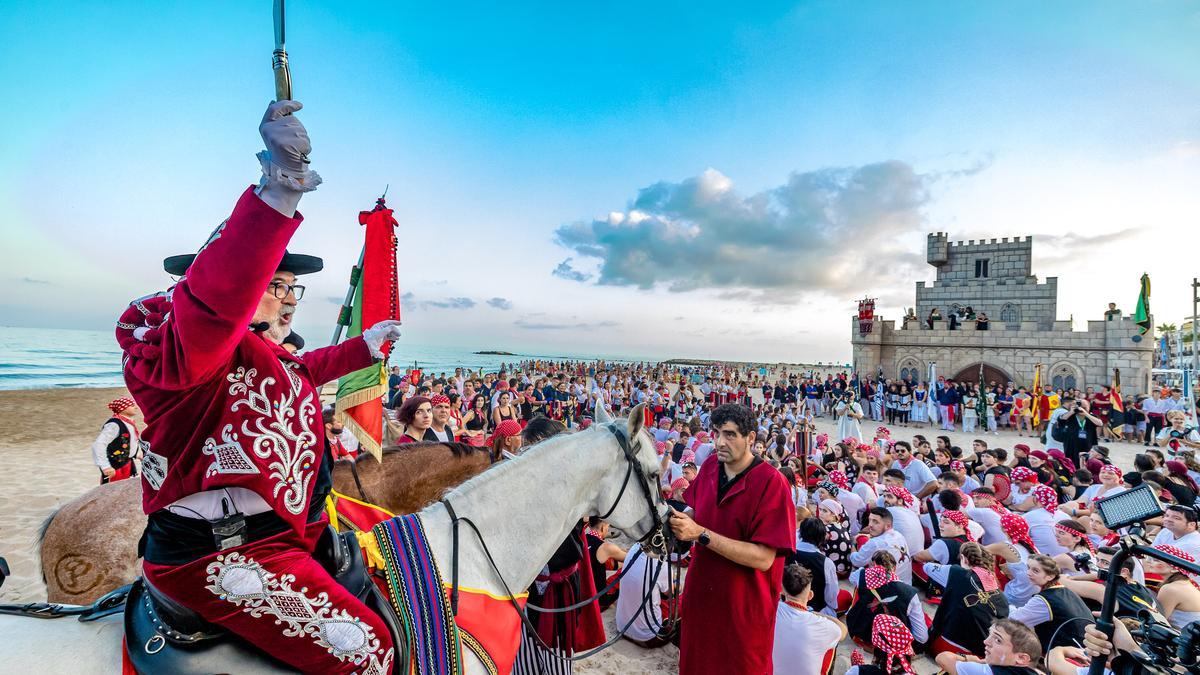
x: 524, y: 507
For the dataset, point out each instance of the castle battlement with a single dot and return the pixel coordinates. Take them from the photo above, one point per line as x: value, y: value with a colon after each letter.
x: 995, y: 276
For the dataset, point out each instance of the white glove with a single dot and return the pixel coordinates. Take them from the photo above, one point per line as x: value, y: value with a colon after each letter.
x: 384, y: 331
x: 284, y: 161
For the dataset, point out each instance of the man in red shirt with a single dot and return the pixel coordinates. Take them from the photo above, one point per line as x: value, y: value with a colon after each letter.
x: 741, y: 514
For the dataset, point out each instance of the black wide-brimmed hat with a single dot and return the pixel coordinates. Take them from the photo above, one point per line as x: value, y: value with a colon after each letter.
x: 295, y: 263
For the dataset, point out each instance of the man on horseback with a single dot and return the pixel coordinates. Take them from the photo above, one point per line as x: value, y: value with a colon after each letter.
x: 236, y: 465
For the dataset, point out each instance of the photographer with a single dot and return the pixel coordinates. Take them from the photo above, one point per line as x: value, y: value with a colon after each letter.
x: 1076, y: 429
x: 1178, y: 433
x: 1173, y: 654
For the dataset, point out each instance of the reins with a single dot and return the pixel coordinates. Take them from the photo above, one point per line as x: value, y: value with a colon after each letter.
x: 656, y: 537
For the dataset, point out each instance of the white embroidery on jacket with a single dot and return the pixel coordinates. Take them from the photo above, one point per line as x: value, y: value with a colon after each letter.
x: 228, y: 457
x: 154, y: 466
x: 235, y: 578
x: 280, y: 433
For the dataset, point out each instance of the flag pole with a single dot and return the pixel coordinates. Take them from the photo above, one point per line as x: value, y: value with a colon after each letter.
x: 343, y: 319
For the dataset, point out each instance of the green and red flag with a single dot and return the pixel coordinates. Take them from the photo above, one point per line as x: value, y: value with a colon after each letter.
x: 376, y: 298
x: 1141, y: 316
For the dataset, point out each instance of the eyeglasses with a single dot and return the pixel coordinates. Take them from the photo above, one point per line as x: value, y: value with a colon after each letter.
x: 280, y: 290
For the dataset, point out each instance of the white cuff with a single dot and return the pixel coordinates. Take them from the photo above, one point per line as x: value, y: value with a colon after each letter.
x: 273, y: 173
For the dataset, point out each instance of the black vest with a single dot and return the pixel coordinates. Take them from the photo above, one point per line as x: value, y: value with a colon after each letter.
x: 966, y: 611
x: 1064, y: 606
x: 814, y: 562
x: 119, y: 450
x: 953, y: 545
x: 897, y: 596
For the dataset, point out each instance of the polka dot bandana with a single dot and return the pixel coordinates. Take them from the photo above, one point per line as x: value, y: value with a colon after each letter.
x: 1182, y: 555
x: 1045, y: 495
x: 891, y: 635
x: 1017, y: 530
x: 1084, y: 539
x: 957, y: 466
x: 1024, y: 473
x: 119, y: 404
x: 960, y: 519
x: 1111, y: 470
x: 877, y: 576
x: 439, y: 399
x: 902, y: 494
x: 828, y: 487
x: 839, y: 479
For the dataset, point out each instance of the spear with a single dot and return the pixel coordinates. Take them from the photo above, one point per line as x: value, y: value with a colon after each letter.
x: 279, y: 58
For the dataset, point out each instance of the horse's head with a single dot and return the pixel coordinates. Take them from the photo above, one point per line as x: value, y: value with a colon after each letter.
x: 629, y: 496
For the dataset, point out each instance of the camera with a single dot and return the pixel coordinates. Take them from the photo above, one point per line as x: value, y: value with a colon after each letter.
x: 1083, y: 562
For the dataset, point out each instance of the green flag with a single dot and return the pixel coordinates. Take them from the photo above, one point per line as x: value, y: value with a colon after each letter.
x: 1142, y: 316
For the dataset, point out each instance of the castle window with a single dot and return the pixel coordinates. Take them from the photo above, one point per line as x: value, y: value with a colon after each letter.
x: 1010, y: 313
x: 981, y: 268
x: 1063, y: 378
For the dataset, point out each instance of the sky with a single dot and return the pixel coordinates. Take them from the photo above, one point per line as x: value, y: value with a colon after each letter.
x: 668, y: 179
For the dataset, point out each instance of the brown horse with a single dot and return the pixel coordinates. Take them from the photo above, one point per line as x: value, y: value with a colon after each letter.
x: 89, y: 546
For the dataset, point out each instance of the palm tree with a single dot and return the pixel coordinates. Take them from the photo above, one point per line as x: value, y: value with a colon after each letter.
x: 1166, y: 328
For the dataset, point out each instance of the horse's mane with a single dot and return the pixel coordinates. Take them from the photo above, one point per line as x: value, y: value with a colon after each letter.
x: 456, y: 448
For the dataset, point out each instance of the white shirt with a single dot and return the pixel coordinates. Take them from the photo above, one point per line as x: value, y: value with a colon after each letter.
x: 1052, y: 444
x: 916, y: 475
x: 632, y: 590
x: 868, y: 493
x: 1041, y: 530
x: 1189, y: 542
x: 893, y: 542
x: 802, y: 640
x: 350, y: 441
x: 990, y: 521
x: 909, y: 525
x: 854, y: 506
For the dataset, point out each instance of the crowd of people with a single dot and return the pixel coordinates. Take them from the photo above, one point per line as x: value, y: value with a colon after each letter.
x: 1004, y: 543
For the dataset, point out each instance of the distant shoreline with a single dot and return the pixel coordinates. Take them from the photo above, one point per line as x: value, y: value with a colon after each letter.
x: 493, y: 353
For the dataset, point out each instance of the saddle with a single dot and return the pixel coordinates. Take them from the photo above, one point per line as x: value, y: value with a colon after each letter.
x: 162, y: 636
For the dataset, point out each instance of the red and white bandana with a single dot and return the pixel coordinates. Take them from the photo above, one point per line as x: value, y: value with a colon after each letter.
x: 883, y: 432
x: 902, y: 494
x: 839, y: 479
x: 1076, y: 533
x: 1017, y: 530
x: 877, y: 576
x: 680, y: 484
x: 1045, y: 495
x: 1182, y: 555
x: 661, y: 448
x: 505, y: 429
x: 439, y: 399
x: 857, y: 658
x: 891, y: 635
x: 960, y: 519
x: 119, y: 404
x: 1112, y: 470
x: 957, y: 466
x: 1024, y: 473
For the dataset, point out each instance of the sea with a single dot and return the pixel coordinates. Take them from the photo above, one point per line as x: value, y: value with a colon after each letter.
x: 40, y: 358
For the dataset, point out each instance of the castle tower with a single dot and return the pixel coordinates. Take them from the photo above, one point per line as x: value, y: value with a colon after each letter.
x: 990, y: 275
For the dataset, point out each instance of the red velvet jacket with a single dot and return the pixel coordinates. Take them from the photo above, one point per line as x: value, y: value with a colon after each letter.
x: 223, y: 405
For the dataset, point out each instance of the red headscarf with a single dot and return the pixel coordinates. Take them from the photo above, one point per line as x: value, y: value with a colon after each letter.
x: 1179, y: 470
x: 877, y: 576
x: 119, y: 404
x: 505, y: 429
x: 960, y: 519
x: 1045, y: 495
x: 902, y: 494
x: 890, y: 635
x: 1022, y: 473
x: 839, y: 479
x: 1017, y: 530
x: 439, y: 399
x: 957, y: 466
x: 1182, y: 555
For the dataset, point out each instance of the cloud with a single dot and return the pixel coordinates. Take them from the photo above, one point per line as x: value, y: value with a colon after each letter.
x: 37, y: 282
x: 525, y: 324
x: 500, y: 303
x: 448, y: 303
x: 566, y: 271
x: 1080, y: 242
x: 824, y: 230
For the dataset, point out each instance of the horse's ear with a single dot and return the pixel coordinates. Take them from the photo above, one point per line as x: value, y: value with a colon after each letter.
x: 602, y: 415
x: 637, y: 420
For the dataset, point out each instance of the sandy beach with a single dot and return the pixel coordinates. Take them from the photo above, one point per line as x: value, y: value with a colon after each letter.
x: 45, y: 438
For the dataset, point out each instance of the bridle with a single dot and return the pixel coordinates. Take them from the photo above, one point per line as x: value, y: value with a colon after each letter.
x: 656, y: 539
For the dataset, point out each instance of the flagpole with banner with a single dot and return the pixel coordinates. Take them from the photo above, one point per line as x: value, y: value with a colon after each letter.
x: 1035, y: 405
x: 375, y: 297
x: 981, y: 400
x: 1142, y: 315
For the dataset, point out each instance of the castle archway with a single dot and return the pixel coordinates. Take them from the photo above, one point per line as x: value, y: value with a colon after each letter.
x: 990, y: 374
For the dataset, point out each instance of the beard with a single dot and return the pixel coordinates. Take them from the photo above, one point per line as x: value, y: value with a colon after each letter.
x: 278, y: 330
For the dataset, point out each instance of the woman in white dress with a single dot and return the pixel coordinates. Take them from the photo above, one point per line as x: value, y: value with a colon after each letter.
x: 848, y: 413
